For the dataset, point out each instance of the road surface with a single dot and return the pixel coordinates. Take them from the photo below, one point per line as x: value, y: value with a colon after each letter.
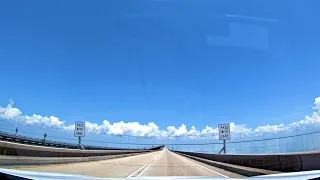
x: 159, y: 163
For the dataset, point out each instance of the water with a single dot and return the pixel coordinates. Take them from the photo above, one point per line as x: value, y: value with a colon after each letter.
x: 292, y: 144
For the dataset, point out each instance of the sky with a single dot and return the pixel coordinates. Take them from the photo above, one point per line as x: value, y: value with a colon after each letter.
x: 160, y: 68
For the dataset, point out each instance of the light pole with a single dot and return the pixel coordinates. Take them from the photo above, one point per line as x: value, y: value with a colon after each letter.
x: 44, y: 137
x: 16, y: 131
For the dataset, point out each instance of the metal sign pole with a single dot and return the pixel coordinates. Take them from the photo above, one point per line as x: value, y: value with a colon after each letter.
x: 79, y: 142
x: 224, y: 146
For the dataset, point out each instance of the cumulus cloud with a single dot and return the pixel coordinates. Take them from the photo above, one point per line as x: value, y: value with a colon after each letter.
x: 11, y: 113
x: 14, y: 114
x: 317, y: 103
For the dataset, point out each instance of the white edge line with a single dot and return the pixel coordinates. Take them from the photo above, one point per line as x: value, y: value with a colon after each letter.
x: 143, y: 171
x: 137, y: 171
x: 205, y: 167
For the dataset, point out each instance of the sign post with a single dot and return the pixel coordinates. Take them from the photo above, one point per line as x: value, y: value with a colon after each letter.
x: 79, y: 131
x: 79, y: 142
x: 224, y: 134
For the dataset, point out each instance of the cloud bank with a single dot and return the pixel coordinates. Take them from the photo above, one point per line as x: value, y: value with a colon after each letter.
x: 13, y: 114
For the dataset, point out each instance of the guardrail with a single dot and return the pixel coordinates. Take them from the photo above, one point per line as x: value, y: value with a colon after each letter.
x: 39, y: 142
x: 4, y: 136
x: 16, y: 149
x: 22, y: 160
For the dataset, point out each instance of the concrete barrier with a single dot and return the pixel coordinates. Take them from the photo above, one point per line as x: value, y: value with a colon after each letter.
x: 20, y: 160
x: 285, y: 162
x: 246, y: 171
x: 16, y: 149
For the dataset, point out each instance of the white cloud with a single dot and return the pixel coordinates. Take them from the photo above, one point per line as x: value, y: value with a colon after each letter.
x: 13, y: 114
x: 9, y: 112
x: 193, y: 132
x: 209, y: 131
x: 317, y: 103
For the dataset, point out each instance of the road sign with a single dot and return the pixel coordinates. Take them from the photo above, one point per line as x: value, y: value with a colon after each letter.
x: 79, y: 129
x: 224, y: 131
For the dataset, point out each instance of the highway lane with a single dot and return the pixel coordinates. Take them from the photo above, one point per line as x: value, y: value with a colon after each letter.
x: 159, y: 163
x: 119, y: 167
x: 172, y: 164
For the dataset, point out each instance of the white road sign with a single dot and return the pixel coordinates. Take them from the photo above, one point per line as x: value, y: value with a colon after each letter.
x: 79, y: 129
x: 224, y: 131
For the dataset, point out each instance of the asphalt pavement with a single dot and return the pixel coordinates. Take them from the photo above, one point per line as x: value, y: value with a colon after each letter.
x: 159, y: 163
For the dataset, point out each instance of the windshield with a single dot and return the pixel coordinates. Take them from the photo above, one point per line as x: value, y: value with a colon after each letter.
x: 159, y: 87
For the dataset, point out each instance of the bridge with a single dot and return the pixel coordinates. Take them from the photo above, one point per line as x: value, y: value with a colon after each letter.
x: 26, y: 153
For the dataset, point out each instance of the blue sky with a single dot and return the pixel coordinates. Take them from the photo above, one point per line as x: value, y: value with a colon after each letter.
x: 166, y: 62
